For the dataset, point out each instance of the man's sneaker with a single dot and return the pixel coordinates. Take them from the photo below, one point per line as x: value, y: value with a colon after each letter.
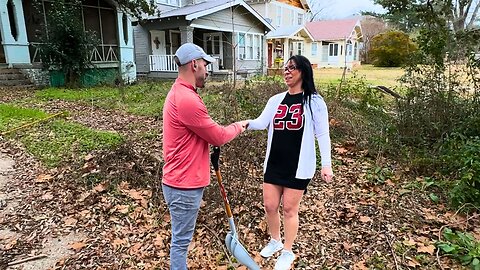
x: 285, y: 260
x: 271, y: 248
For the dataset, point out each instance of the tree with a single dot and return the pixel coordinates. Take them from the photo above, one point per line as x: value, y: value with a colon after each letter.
x: 391, y: 49
x: 371, y: 26
x: 319, y: 8
x: 406, y: 14
x: 64, y: 45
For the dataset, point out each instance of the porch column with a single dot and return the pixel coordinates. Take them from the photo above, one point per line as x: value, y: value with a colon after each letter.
x: 186, y: 34
x: 286, y: 50
x: 128, y: 69
x: 15, y: 48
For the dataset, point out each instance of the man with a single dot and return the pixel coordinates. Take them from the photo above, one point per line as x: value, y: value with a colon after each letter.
x: 187, y: 132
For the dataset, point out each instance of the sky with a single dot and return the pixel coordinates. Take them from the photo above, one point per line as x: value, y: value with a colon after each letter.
x: 337, y: 9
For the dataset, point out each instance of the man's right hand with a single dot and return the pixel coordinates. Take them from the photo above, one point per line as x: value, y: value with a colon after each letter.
x: 243, y: 124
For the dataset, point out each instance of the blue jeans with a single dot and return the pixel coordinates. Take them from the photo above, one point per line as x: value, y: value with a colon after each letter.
x: 183, y: 206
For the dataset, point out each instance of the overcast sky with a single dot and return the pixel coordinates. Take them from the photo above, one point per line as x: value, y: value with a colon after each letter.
x: 333, y: 9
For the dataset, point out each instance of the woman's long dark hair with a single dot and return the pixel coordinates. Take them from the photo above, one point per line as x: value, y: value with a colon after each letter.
x: 308, y: 85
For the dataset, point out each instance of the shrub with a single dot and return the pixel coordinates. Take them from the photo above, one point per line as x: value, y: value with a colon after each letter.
x: 391, y: 49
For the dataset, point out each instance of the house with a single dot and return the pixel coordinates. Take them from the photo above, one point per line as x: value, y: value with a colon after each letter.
x: 229, y: 30
x: 20, y: 21
x: 335, y: 43
x: 290, y: 36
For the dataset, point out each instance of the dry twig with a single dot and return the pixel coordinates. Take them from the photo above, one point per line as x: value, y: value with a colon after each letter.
x: 393, y: 252
x: 41, y: 256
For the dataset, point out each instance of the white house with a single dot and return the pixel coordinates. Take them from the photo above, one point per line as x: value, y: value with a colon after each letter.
x: 335, y: 43
x: 290, y: 36
x: 229, y: 30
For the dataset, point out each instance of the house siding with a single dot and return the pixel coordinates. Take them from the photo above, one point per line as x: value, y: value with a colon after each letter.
x: 142, y: 48
x: 223, y: 20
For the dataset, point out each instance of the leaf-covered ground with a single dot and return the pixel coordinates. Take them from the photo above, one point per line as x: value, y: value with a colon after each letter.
x: 106, y: 210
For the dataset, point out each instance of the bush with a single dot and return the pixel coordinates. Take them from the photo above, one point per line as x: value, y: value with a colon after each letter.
x: 391, y: 49
x: 461, y: 155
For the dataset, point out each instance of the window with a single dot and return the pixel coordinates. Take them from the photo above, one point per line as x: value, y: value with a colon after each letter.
x: 298, y: 47
x: 292, y: 17
x: 250, y: 46
x: 279, y: 16
x: 355, y: 51
x: 314, y: 48
x: 125, y: 27
x: 241, y: 46
x: 256, y: 46
x: 12, y: 17
x: 300, y: 19
x: 333, y: 49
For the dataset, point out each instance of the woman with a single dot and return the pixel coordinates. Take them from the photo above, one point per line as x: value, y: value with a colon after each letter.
x: 294, y: 119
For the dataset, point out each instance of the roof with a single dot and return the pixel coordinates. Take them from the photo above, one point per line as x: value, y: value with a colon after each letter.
x: 332, y: 29
x: 208, y: 7
x: 288, y: 32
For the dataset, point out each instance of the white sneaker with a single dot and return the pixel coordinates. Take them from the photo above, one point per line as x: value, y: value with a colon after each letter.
x: 271, y: 248
x: 285, y: 260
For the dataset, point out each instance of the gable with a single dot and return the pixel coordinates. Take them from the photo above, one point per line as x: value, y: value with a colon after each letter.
x: 222, y: 20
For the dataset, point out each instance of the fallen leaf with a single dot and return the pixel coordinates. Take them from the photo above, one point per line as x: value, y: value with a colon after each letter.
x: 42, y: 178
x: 70, y: 221
x: 365, y: 219
x: 100, y: 188
x: 412, y: 262
x: 89, y: 157
x: 122, y: 208
x: 409, y: 242
x: 77, y: 246
x: 118, y: 242
x: 430, y: 249
x: 47, y: 196
x: 360, y: 266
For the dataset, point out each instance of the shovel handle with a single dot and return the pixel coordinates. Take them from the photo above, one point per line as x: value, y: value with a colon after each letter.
x: 215, y: 156
x: 224, y: 194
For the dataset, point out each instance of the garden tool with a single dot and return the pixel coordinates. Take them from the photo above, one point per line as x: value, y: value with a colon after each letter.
x: 231, y: 240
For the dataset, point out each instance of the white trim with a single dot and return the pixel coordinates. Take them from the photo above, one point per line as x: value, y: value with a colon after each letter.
x: 262, y: 48
x: 292, y: 36
x: 199, y: 14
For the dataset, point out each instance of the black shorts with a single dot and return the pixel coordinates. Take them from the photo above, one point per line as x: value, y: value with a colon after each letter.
x: 293, y: 183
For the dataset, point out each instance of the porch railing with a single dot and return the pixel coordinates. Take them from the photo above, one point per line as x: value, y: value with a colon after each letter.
x: 162, y: 63
x: 101, y: 53
x: 166, y: 63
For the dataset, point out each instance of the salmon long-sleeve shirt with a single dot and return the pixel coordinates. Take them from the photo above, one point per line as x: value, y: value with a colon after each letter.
x: 187, y: 132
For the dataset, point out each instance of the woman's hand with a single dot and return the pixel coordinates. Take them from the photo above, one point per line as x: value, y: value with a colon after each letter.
x: 327, y: 174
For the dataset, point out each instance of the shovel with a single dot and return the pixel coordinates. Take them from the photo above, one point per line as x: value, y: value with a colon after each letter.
x: 231, y: 240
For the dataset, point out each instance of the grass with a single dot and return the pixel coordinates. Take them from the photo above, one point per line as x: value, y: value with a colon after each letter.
x: 140, y: 99
x: 59, y: 141
x: 373, y: 75
x: 12, y: 116
x: 54, y: 141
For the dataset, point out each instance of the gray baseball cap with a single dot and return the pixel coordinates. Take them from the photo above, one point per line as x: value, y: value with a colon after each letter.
x: 189, y: 51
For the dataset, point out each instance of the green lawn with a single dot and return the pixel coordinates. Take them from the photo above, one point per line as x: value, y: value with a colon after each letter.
x: 373, y: 75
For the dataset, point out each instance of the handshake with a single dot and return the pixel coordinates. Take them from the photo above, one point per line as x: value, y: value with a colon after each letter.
x: 243, y: 124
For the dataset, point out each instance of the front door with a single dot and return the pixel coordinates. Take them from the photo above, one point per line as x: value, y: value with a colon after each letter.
x: 213, y: 45
x: 270, y: 57
x: 158, y: 42
x: 175, y: 41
